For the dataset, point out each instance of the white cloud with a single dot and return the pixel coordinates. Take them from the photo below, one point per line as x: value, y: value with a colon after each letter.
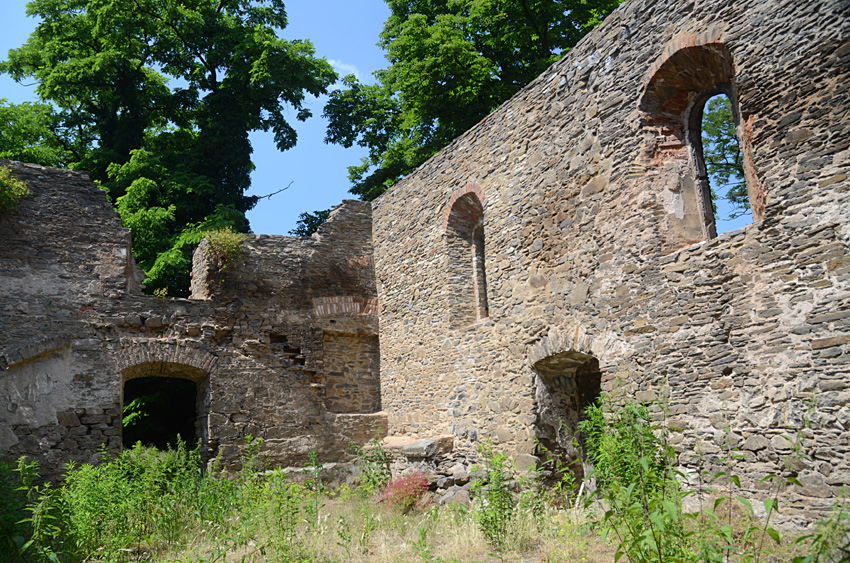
x: 344, y: 69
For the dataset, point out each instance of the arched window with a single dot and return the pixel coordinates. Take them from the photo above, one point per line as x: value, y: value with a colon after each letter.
x: 673, y: 107
x: 466, y: 286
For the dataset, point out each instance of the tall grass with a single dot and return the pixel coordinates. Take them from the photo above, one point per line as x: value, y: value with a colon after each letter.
x: 149, y: 505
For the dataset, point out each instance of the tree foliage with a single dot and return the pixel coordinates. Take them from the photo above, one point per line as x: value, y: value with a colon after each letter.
x: 452, y: 62
x: 174, y: 158
x: 12, y: 190
x: 308, y: 223
x: 722, y: 155
x: 28, y: 133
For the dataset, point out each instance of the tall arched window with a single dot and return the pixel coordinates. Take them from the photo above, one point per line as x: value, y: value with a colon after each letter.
x: 466, y: 287
x: 673, y: 107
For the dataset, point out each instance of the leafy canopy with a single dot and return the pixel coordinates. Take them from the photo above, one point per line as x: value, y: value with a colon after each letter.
x: 308, y: 223
x: 28, y: 133
x: 156, y: 99
x: 722, y: 155
x: 452, y: 62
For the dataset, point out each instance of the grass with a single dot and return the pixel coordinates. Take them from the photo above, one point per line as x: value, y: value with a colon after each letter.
x: 153, y: 506
x: 146, y: 505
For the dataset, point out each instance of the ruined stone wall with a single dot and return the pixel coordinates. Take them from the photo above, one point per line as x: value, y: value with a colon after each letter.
x: 299, y: 329
x: 596, y: 253
x: 75, y: 328
x: 63, y: 253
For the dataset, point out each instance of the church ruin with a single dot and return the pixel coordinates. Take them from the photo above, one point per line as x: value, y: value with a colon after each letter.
x: 561, y: 248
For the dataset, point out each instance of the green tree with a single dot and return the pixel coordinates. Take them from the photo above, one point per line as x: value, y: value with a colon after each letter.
x: 722, y: 155
x: 452, y: 62
x: 28, y: 133
x: 175, y: 160
x: 93, y: 61
x: 308, y: 223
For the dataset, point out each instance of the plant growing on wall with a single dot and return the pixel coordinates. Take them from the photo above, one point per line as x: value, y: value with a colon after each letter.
x: 223, y: 248
x: 12, y: 190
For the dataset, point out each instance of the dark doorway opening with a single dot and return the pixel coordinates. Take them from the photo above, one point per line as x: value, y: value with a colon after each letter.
x: 160, y: 411
x: 566, y: 384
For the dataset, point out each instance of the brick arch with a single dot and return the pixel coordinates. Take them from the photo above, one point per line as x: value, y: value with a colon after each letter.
x: 577, y: 337
x: 712, y: 35
x: 573, y: 340
x: 141, y: 359
x: 690, y: 70
x: 470, y: 188
x: 171, y: 360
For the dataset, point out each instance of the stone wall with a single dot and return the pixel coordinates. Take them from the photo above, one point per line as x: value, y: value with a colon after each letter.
x: 562, y: 247
x: 599, y: 253
x: 74, y: 327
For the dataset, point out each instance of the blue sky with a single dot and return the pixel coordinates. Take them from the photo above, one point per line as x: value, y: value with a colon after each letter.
x: 345, y: 32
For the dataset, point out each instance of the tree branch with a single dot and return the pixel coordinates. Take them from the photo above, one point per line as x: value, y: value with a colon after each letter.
x: 185, y: 42
x: 275, y: 193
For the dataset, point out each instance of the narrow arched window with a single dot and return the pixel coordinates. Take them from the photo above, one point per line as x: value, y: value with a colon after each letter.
x: 721, y: 161
x: 466, y: 287
x: 674, y: 105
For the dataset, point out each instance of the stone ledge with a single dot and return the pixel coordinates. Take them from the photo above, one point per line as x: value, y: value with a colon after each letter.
x: 36, y: 347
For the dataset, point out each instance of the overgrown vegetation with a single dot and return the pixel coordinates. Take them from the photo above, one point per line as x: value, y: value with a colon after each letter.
x: 224, y: 248
x: 643, y: 493
x: 496, y: 509
x: 12, y: 190
x: 374, y: 466
x: 150, y: 505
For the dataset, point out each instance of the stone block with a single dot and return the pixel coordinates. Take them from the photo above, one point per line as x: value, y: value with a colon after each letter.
x: 755, y: 443
x: 428, y: 447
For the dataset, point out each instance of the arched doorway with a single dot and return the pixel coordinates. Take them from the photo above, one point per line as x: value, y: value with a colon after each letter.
x: 161, y: 400
x: 565, y: 384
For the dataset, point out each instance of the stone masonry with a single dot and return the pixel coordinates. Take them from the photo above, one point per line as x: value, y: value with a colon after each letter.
x: 76, y: 327
x: 561, y: 248
x: 601, y: 267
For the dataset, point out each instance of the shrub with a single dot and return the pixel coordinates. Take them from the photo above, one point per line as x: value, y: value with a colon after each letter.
x: 224, y: 247
x: 404, y: 491
x: 619, y: 444
x: 12, y: 190
x: 374, y: 462
x: 12, y: 504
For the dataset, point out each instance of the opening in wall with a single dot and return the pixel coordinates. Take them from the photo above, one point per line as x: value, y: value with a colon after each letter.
x: 163, y: 400
x: 565, y: 385
x: 722, y: 164
x: 701, y: 144
x: 159, y: 411
x: 466, y: 287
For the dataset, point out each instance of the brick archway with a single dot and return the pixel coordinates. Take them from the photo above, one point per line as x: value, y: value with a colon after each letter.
x: 153, y: 360
x: 155, y: 352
